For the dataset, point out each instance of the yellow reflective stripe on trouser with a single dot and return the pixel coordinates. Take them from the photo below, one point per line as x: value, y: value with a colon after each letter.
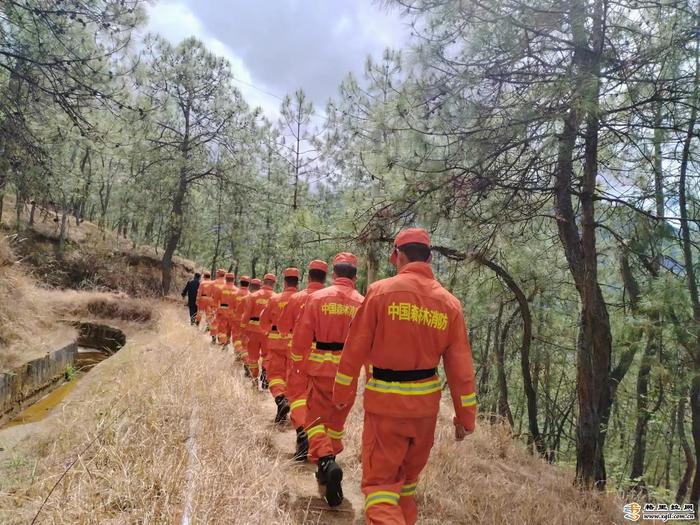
x: 404, y: 389
x: 274, y: 335
x: 326, y: 357
x: 315, y: 431
x: 381, y: 496
x: 295, y: 357
x: 409, y: 489
x: 275, y: 382
x: 335, y: 434
x: 298, y: 404
x: 469, y: 400
x: 343, y: 379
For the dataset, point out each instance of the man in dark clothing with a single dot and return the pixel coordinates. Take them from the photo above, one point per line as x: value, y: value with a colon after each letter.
x: 190, y: 291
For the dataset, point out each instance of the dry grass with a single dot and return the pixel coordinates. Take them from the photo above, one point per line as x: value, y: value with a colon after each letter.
x: 176, y: 385
x: 72, y: 304
x: 137, y: 469
x: 28, y: 325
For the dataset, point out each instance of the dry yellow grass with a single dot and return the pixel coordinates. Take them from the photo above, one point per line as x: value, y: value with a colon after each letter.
x: 28, y: 325
x: 176, y: 386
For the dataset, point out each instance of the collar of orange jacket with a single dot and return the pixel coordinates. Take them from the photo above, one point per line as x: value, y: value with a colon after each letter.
x: 266, y: 287
x: 290, y: 288
x: 313, y: 285
x: 421, y: 268
x: 343, y: 281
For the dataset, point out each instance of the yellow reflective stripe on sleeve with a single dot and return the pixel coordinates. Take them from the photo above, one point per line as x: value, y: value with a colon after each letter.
x: 326, y: 357
x: 409, y: 489
x: 295, y: 357
x: 404, y: 389
x: 298, y: 404
x: 468, y: 400
x: 381, y: 496
x: 315, y: 431
x: 343, y: 379
x: 275, y: 382
x: 335, y: 434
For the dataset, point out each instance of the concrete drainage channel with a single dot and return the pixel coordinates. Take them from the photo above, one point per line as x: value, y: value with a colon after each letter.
x: 30, y: 391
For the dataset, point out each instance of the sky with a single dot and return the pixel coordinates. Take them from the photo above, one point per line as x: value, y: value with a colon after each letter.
x: 278, y: 46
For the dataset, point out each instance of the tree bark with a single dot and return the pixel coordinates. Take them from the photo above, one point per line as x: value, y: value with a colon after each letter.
x: 687, y: 453
x: 175, y: 232
x: 686, y: 245
x: 524, y: 307
x: 595, y: 340
x: 503, y: 406
x: 643, y: 413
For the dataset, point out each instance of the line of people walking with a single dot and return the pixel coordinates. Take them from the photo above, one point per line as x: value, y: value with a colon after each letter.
x: 309, y: 347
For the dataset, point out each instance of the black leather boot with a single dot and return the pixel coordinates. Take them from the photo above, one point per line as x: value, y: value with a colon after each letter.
x: 330, y: 474
x: 282, y: 409
x: 302, y: 445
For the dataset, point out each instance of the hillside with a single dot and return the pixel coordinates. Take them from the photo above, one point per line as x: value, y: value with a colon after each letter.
x: 93, y: 259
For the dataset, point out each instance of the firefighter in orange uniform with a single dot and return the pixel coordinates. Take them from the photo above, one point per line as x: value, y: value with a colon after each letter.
x: 255, y: 303
x: 297, y: 382
x: 203, y: 296
x: 224, y: 314
x: 405, y: 326
x: 277, y: 343
x: 215, y: 294
x: 325, y: 321
x: 237, y: 312
x: 255, y: 285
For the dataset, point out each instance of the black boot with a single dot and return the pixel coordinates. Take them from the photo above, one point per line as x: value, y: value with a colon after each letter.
x: 282, y: 409
x: 302, y: 445
x: 330, y: 474
x: 246, y: 371
x: 263, y: 379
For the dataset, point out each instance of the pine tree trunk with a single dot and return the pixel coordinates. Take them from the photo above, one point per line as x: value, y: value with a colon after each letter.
x: 687, y: 453
x: 175, y: 232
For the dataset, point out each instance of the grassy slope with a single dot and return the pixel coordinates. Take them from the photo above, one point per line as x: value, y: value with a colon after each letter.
x: 175, y: 386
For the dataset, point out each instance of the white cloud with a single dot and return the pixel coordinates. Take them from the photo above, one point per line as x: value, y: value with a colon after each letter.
x: 175, y: 21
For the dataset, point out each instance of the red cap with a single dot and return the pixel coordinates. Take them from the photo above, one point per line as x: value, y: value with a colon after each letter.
x: 256, y: 282
x: 245, y: 278
x: 318, y: 264
x: 408, y: 236
x: 270, y: 277
x: 220, y: 272
x: 229, y: 276
x: 291, y: 272
x: 345, y: 258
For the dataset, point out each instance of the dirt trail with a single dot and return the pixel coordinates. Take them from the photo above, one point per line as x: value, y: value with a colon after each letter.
x: 306, y: 503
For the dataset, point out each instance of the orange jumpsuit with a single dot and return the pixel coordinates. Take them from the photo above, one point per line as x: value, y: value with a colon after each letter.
x: 325, y: 320
x: 224, y: 314
x: 277, y: 343
x: 237, y: 330
x: 203, y: 299
x: 215, y: 293
x: 297, y: 382
x: 253, y: 306
x: 406, y: 324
